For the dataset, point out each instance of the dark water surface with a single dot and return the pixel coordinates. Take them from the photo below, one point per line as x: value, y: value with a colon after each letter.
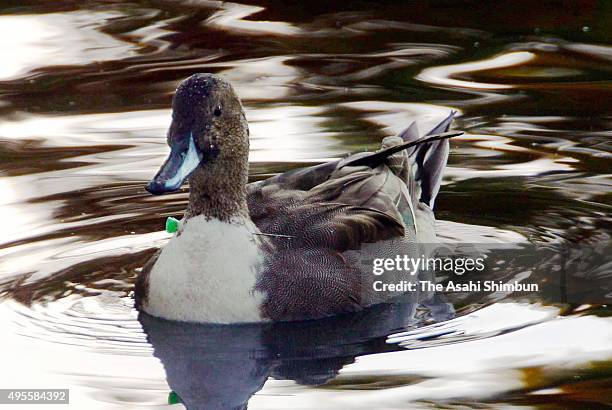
x: 85, y: 90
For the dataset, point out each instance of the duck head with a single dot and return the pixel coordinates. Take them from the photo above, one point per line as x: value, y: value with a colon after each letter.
x: 209, y: 145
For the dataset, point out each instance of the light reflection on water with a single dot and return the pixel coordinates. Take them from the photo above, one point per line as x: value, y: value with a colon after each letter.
x: 30, y: 42
x: 442, y: 75
x: 84, y: 106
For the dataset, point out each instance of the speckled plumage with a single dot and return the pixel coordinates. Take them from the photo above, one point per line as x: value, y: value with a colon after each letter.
x: 314, y: 229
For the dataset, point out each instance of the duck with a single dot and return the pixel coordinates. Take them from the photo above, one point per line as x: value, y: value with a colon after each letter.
x: 296, y: 246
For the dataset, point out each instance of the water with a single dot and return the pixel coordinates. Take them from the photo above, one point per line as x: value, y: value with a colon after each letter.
x: 84, y: 105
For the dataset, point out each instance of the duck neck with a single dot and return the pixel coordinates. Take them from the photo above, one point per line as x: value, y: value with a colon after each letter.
x: 217, y: 190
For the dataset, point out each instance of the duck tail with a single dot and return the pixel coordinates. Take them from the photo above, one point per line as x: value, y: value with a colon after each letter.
x: 428, y: 160
x: 427, y: 156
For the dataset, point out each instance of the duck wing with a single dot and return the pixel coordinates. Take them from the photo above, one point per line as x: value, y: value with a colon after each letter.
x: 361, y: 185
x: 347, y: 206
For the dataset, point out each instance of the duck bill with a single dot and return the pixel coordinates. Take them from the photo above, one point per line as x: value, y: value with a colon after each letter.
x: 178, y: 167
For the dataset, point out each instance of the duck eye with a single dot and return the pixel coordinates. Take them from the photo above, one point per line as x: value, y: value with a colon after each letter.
x: 217, y: 111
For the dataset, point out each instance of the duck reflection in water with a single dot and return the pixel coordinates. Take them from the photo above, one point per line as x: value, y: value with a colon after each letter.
x: 219, y: 367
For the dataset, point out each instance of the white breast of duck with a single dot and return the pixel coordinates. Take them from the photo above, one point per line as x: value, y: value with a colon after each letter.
x: 207, y: 273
